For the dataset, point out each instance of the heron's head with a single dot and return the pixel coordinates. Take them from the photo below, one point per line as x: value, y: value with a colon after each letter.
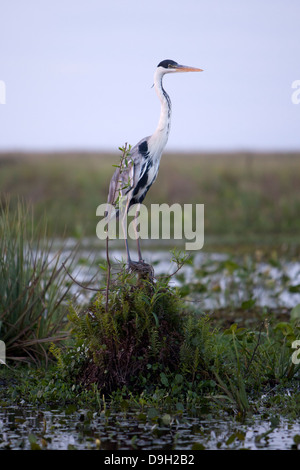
x: 170, y: 66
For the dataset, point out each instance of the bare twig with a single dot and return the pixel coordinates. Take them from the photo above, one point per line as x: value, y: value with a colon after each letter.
x: 78, y: 283
x: 108, y: 275
x: 108, y: 279
x: 179, y: 266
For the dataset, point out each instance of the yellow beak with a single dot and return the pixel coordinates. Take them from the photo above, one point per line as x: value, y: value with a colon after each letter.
x: 185, y: 68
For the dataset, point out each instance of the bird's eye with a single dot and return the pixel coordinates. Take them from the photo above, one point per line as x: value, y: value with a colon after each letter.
x: 170, y: 66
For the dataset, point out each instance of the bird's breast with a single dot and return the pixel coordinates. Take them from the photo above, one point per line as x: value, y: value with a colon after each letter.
x: 157, y: 142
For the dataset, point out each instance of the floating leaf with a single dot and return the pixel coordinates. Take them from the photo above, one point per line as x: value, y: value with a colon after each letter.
x: 152, y: 413
x: 179, y: 407
x: 275, y: 421
x: 247, y: 304
x: 142, y: 417
x: 231, y: 266
x: 198, y: 446
x: 240, y: 435
x: 231, y: 439
x: 166, y: 419
x: 294, y: 289
x: 33, y: 444
x: 297, y: 439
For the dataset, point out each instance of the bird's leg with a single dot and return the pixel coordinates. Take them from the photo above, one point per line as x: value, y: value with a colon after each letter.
x: 137, y: 237
x: 134, y: 265
x: 139, y: 251
x: 129, y: 262
x: 124, y: 228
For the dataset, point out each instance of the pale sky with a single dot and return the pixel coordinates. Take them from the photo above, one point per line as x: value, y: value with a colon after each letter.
x: 78, y: 73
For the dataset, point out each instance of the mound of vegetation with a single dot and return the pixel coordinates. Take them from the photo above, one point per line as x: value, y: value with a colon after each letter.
x: 135, y: 342
x: 147, y: 339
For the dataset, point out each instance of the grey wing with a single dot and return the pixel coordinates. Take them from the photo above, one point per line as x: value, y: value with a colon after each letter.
x: 125, y: 179
x: 139, y: 157
x: 121, y: 182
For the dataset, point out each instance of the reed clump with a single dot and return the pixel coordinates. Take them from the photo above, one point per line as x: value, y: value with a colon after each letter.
x: 33, y: 288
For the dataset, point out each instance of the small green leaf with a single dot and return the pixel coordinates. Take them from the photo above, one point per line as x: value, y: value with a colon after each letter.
x: 285, y: 328
x: 164, y: 379
x: 230, y: 330
x: 178, y: 378
x: 102, y: 266
x: 240, y: 332
x: 156, y: 319
x: 295, y: 313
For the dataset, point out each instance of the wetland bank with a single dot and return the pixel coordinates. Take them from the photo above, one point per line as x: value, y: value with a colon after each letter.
x: 233, y: 384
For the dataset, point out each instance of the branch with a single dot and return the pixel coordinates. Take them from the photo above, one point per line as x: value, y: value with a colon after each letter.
x: 78, y: 283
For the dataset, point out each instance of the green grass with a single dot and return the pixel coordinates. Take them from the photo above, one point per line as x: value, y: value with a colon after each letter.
x: 247, y: 197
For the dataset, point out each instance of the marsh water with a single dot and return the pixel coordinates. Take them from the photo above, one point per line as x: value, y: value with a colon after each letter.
x: 214, y: 281
x: 56, y: 429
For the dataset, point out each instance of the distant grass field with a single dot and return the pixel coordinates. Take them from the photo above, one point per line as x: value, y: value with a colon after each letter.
x: 246, y: 196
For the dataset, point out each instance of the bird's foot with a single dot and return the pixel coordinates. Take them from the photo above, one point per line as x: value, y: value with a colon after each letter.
x: 136, y: 265
x: 141, y: 267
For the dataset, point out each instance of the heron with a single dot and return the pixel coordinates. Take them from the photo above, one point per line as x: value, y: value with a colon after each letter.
x: 132, y: 180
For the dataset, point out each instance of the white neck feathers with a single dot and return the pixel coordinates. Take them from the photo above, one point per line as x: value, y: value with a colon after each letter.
x: 160, y: 136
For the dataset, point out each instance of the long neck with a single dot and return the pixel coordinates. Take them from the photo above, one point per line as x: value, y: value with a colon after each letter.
x: 160, y: 136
